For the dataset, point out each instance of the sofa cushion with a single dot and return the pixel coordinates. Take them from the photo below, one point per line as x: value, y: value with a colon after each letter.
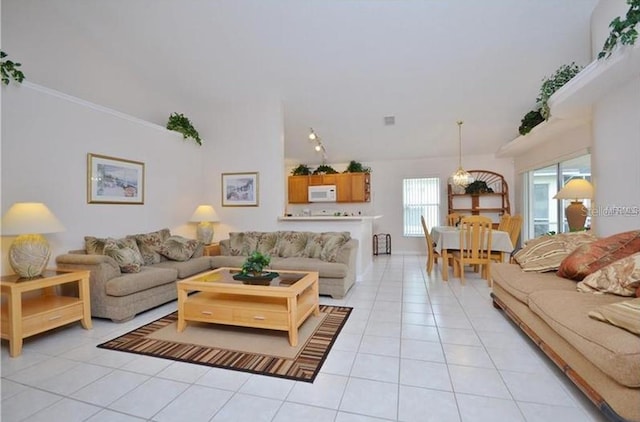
x: 624, y: 314
x: 236, y: 241
x: 325, y: 246
x: 178, y: 248
x: 521, y: 284
x: 291, y: 244
x: 621, y: 277
x: 615, y: 351
x: 125, y: 252
x: 325, y: 269
x: 545, y: 253
x: 600, y: 253
x: 263, y: 242
x: 187, y: 268
x: 147, y: 278
x: 150, y: 243
x: 94, y: 245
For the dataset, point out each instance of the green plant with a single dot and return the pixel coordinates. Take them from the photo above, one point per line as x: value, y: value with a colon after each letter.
x: 301, y: 170
x: 255, y: 263
x: 182, y: 124
x: 356, y: 167
x: 479, y: 186
x: 622, y: 30
x: 529, y: 121
x: 324, y: 169
x: 10, y: 70
x: 554, y: 83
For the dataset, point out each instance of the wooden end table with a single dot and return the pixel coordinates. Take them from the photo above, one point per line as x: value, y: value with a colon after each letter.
x: 283, y: 305
x: 212, y: 249
x: 23, y: 317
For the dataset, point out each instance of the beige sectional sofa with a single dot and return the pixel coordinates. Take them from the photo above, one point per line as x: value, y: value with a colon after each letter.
x: 120, y: 295
x: 332, y: 255
x: 601, y: 359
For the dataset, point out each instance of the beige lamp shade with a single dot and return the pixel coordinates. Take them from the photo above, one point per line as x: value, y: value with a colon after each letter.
x: 205, y: 215
x: 576, y: 212
x: 30, y: 252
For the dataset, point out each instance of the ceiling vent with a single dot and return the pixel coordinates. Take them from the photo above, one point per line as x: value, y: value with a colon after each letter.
x: 389, y: 120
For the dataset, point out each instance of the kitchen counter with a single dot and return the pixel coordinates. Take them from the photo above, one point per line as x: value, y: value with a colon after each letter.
x: 360, y: 227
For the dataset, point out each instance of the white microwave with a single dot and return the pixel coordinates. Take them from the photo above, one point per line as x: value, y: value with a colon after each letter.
x: 322, y: 193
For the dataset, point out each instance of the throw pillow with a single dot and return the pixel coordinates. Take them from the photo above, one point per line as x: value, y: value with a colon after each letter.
x: 125, y: 252
x: 325, y: 246
x: 291, y: 244
x: 546, y: 253
x: 94, y: 245
x: 624, y: 314
x: 598, y: 254
x: 178, y: 248
x: 621, y: 277
x: 263, y: 242
x: 236, y: 241
x: 150, y: 243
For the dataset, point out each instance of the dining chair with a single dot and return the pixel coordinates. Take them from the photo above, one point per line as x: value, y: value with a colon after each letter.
x: 475, y: 246
x: 505, y: 226
x: 453, y: 219
x: 432, y: 254
x: 515, y: 226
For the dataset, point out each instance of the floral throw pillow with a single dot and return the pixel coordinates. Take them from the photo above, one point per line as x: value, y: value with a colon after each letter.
x: 125, y: 252
x: 236, y: 241
x: 150, y: 243
x: 291, y: 244
x: 325, y: 246
x: 621, y: 277
x: 598, y: 254
x: 263, y: 242
x: 625, y: 314
x: 178, y: 248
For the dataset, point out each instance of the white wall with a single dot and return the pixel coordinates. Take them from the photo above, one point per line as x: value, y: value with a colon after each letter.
x: 616, y: 139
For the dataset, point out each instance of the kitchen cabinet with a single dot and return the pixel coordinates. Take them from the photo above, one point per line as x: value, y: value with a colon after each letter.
x: 298, y: 187
x: 350, y: 187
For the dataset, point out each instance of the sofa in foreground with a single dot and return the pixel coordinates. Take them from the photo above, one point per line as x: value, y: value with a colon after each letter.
x: 578, y: 324
x: 331, y: 254
x: 135, y: 273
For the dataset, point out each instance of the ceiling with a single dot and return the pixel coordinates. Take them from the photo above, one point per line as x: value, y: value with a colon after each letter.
x: 339, y: 66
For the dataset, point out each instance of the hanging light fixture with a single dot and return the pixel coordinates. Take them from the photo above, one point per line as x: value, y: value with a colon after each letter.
x: 461, y: 177
x: 319, y: 146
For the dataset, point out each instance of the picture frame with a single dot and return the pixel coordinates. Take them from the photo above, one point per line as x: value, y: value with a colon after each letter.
x: 240, y: 189
x: 112, y: 180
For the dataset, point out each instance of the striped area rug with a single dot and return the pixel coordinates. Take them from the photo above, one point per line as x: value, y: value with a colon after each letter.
x: 221, y: 348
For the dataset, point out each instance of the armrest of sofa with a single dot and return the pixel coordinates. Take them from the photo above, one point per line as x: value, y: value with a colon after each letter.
x: 348, y: 253
x: 103, y: 268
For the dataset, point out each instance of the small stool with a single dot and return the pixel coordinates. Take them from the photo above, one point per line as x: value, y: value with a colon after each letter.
x: 382, y: 242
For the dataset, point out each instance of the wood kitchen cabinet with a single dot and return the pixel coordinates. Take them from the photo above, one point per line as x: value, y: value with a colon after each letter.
x: 350, y: 187
x: 298, y: 187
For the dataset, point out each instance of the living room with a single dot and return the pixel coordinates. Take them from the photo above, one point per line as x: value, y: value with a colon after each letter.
x: 48, y: 130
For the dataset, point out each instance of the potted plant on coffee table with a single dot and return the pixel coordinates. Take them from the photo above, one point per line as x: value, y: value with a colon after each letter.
x: 253, y: 270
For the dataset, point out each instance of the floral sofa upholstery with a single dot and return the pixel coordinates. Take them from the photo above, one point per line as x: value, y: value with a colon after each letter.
x: 135, y: 273
x: 331, y: 254
x: 575, y: 296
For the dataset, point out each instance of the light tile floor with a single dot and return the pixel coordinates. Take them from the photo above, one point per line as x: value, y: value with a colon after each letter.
x: 414, y: 349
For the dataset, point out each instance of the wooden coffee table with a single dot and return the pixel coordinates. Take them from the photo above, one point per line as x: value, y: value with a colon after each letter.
x: 215, y: 297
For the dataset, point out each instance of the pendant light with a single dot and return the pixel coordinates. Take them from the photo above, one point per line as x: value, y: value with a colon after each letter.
x: 461, y: 177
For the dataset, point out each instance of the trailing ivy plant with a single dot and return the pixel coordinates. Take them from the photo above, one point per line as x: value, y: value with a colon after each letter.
x: 179, y: 123
x: 529, y: 121
x: 623, y: 31
x: 554, y: 83
x: 10, y: 70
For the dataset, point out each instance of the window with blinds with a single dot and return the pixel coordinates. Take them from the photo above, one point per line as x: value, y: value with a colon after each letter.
x: 420, y: 196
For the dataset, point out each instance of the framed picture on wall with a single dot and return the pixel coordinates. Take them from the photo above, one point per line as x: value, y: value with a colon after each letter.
x: 240, y: 189
x: 113, y: 180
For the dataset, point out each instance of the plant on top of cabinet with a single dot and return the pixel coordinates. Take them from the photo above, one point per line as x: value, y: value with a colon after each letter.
x: 179, y: 123
x: 356, y: 167
x: 324, y: 169
x: 623, y: 31
x: 554, y: 83
x: 301, y: 170
x: 10, y: 70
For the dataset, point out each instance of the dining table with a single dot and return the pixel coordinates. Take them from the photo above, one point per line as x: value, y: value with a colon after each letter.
x: 447, y: 238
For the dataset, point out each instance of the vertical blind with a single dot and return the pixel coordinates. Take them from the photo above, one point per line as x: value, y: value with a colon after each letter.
x: 420, y: 197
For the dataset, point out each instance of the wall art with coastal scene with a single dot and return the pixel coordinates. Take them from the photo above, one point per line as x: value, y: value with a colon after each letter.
x: 239, y: 189
x: 113, y: 180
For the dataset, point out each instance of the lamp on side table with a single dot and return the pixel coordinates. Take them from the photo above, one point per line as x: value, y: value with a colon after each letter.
x: 205, y: 215
x: 576, y: 212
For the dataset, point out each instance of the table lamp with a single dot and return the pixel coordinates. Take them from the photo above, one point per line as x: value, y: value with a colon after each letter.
x: 205, y: 215
x: 576, y: 212
x: 30, y: 252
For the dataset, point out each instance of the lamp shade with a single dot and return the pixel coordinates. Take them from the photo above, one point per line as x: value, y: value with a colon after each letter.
x: 205, y: 213
x: 30, y: 218
x: 576, y: 189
